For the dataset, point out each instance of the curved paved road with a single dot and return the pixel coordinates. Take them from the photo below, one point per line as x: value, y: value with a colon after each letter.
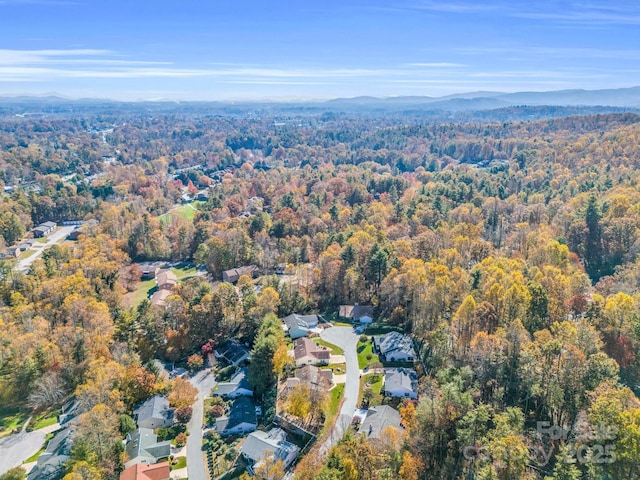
x: 347, y: 339
x: 204, y: 381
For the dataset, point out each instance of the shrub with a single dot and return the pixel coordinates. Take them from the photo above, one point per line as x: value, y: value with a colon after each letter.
x: 216, y: 411
x: 181, y: 439
x: 195, y: 362
x: 363, y: 338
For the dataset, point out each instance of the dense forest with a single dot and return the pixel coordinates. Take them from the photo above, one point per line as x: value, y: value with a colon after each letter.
x: 506, y: 248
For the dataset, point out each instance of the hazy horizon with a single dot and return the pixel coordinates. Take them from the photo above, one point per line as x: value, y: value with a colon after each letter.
x: 251, y: 51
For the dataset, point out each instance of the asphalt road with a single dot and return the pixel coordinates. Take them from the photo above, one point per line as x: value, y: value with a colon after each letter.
x: 347, y: 339
x: 204, y: 381
x: 16, y: 448
x: 56, y: 237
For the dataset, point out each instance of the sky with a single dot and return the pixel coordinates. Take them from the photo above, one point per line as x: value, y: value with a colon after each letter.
x: 314, y: 49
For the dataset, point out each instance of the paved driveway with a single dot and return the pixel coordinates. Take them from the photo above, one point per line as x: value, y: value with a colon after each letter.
x: 204, y: 381
x: 16, y: 448
x: 347, y: 339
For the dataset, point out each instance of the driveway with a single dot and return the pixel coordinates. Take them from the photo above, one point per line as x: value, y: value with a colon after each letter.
x: 204, y: 381
x: 347, y: 339
x: 16, y: 448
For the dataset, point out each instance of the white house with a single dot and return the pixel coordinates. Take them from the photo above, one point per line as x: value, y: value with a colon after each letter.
x: 154, y: 412
x: 306, y: 352
x: 238, y: 386
x: 260, y: 446
x: 400, y: 383
x: 299, y: 325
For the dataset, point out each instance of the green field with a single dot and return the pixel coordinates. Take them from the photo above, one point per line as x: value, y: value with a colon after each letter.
x: 335, y: 350
x: 46, y: 420
x: 365, y: 350
x: 181, y: 463
x: 186, y: 211
x: 136, y: 297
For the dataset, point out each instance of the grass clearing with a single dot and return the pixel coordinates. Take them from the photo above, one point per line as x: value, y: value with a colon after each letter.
x: 366, y: 357
x: 136, y: 297
x: 186, y: 212
x: 335, y: 350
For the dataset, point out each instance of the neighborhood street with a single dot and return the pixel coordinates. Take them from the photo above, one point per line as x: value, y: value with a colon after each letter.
x: 347, y: 339
x: 56, y: 237
x: 204, y: 381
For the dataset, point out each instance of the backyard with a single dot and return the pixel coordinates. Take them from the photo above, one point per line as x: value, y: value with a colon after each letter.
x: 366, y: 357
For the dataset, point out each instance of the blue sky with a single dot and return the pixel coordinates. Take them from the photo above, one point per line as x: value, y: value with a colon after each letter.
x: 271, y: 49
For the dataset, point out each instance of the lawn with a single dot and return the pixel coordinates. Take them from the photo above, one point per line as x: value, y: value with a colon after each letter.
x: 181, y: 463
x: 338, y: 368
x: 10, y: 420
x: 186, y: 211
x: 336, y: 397
x: 371, y: 381
x: 366, y: 356
x: 335, y: 350
x: 27, y: 253
x: 46, y: 420
x: 184, y: 271
x: 136, y: 297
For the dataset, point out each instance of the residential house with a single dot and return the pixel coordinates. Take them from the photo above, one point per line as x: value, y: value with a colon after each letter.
x: 307, y: 352
x: 159, y: 298
x: 299, y: 325
x: 159, y: 471
x: 44, y: 229
x: 356, y: 313
x: 233, y: 353
x: 149, y: 272
x: 166, y: 280
x: 241, y: 419
x: 400, y: 383
x: 233, y: 275
x: 51, y: 462
x: 238, y: 386
x: 142, y: 446
x: 378, y: 419
x: 154, y: 412
x: 395, y: 347
x: 316, y: 378
x: 260, y: 446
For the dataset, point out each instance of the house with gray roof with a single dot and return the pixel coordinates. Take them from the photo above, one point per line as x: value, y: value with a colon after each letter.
x: 260, y: 446
x: 356, y: 313
x: 395, y: 347
x: 154, y: 412
x: 233, y: 353
x: 236, y: 387
x: 241, y: 418
x: 299, y: 325
x: 400, y: 382
x: 233, y: 275
x: 142, y: 446
x: 316, y: 378
x: 378, y: 419
x: 51, y: 462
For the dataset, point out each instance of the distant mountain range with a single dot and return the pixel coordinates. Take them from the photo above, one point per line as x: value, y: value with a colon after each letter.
x: 523, y: 105
x: 619, y: 97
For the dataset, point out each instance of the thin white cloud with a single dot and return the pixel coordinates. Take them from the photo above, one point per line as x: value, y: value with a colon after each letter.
x: 436, y: 65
